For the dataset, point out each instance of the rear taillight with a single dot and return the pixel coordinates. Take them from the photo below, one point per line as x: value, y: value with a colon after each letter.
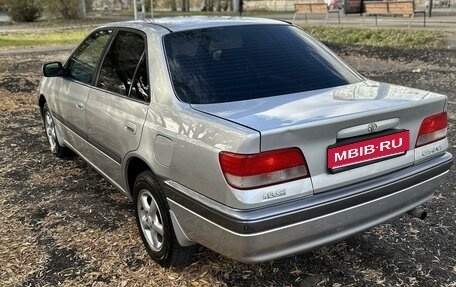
x: 432, y: 129
x: 247, y: 171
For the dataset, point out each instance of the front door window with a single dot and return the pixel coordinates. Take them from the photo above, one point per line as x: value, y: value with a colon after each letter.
x: 82, y: 65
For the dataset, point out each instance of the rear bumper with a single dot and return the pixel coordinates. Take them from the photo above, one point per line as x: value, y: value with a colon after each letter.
x: 294, y: 227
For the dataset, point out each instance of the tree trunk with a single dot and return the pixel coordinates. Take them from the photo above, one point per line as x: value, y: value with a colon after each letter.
x: 83, y: 9
x: 208, y: 5
x: 185, y: 5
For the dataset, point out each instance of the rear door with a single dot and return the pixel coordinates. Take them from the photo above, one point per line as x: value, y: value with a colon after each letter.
x: 116, y: 108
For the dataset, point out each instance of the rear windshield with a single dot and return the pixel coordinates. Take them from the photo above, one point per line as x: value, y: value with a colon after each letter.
x: 237, y: 63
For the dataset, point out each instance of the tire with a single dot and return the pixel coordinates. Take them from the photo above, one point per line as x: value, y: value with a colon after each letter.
x: 154, y: 223
x: 51, y: 134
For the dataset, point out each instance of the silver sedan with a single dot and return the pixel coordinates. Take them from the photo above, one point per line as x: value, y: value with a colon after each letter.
x: 246, y: 136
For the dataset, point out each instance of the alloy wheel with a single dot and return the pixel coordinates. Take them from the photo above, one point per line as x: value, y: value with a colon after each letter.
x: 50, y: 131
x: 150, y: 219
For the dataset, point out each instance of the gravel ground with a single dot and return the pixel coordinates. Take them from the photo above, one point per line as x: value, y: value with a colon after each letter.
x: 62, y: 224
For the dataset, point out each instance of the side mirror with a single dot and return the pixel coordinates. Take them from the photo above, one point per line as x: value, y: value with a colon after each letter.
x: 53, y: 69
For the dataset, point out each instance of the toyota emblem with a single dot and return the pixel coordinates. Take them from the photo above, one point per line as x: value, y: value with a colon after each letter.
x: 372, y: 127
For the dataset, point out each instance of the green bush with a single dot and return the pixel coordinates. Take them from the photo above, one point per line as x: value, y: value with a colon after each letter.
x: 67, y: 9
x: 25, y: 10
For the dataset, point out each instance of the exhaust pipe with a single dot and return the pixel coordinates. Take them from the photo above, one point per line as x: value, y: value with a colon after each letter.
x: 418, y: 213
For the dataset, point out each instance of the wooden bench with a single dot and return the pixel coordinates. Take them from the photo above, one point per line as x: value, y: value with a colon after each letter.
x: 314, y: 8
x: 392, y: 8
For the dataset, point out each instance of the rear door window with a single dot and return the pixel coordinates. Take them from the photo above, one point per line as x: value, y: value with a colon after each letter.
x: 124, y: 69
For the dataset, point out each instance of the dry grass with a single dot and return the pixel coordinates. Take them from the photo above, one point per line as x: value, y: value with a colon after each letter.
x: 20, y: 256
x: 62, y: 224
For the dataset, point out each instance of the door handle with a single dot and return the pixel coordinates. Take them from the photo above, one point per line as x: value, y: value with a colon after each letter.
x: 130, y: 127
x: 80, y: 106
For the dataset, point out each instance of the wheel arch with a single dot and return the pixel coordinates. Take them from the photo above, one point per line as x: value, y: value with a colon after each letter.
x: 41, y: 102
x: 133, y: 167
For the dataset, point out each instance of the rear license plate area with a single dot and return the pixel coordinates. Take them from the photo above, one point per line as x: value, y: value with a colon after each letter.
x: 354, y: 153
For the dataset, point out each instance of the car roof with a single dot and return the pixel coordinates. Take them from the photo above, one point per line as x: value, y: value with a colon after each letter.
x: 175, y: 24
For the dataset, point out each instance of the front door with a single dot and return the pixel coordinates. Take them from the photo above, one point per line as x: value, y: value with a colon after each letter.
x: 74, y: 87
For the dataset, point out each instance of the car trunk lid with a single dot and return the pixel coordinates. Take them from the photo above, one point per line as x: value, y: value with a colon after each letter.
x: 316, y: 120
